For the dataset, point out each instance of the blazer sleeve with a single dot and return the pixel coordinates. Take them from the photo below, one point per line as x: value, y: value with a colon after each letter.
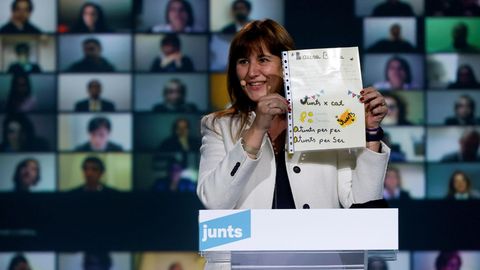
x: 361, y: 174
x: 224, y: 169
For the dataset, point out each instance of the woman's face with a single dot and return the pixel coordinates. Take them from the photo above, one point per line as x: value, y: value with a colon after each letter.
x: 14, y: 131
x: 392, y: 181
x: 177, y: 16
x: 21, y: 85
x: 260, y: 74
x: 90, y: 16
x: 29, y: 173
x: 464, y: 76
x: 463, y: 108
x: 396, y: 74
x: 453, y: 264
x: 22, y: 266
x: 460, y: 183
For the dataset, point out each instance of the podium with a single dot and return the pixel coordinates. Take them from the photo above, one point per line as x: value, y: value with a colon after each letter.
x: 297, y: 239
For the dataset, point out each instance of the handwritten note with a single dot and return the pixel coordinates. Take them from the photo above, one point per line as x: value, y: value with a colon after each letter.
x: 323, y: 87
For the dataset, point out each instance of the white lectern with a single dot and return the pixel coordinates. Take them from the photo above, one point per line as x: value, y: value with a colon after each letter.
x: 297, y: 239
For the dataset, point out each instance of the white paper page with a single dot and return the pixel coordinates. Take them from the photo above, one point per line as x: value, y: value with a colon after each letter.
x: 323, y: 86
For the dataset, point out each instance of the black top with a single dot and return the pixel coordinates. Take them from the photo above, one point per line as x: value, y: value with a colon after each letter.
x: 92, y: 65
x: 84, y: 106
x: 282, y: 194
x: 28, y: 28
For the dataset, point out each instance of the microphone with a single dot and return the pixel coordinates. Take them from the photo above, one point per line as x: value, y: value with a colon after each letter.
x: 243, y: 83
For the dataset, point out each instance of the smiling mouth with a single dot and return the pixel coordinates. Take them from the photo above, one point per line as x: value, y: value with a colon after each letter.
x: 256, y: 84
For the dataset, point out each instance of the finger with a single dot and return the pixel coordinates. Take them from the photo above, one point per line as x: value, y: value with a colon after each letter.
x: 376, y: 102
x: 368, y: 96
x: 380, y: 110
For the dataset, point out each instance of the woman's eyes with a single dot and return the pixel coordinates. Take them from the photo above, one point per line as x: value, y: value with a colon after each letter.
x: 260, y: 60
x: 263, y: 59
x: 242, y: 61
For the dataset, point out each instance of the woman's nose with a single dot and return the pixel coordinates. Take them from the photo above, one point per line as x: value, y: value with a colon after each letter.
x: 253, y: 69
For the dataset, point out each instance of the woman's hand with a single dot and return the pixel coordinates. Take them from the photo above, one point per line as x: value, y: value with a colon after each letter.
x: 375, y: 107
x: 267, y: 107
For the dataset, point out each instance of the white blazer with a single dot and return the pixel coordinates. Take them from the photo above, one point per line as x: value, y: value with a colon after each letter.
x: 230, y: 179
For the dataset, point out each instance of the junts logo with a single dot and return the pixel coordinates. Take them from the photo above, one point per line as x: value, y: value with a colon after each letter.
x: 224, y: 230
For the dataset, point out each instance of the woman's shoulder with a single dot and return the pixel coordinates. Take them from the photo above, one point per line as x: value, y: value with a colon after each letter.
x: 218, y: 121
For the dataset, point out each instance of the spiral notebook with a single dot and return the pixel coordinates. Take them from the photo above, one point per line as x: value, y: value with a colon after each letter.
x: 323, y: 87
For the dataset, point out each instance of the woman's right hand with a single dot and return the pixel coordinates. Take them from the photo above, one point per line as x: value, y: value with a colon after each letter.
x: 267, y: 107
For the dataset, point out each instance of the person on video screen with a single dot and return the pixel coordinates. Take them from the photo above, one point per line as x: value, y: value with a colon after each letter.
x: 19, y: 262
x: 240, y: 11
x: 94, y: 102
x: 27, y: 175
x: 453, y: 8
x: 179, y: 18
x: 172, y: 59
x: 93, y: 169
x: 19, y: 135
x: 92, y: 61
x: 397, y: 110
x: 97, y: 261
x: 174, y: 95
x: 99, y: 129
x: 377, y: 264
x: 393, y: 185
x: 91, y: 19
x: 469, y: 143
x: 180, y: 139
x: 23, y: 63
x: 460, y: 38
x: 465, y: 78
x: 397, y: 75
x: 393, y: 8
x: 460, y: 187
x: 174, y: 180
x: 464, y: 112
x: 395, y: 43
x: 448, y: 260
x: 396, y: 152
x: 19, y: 21
x: 20, y: 97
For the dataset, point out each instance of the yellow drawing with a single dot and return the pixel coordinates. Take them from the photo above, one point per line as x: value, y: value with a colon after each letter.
x: 346, y: 118
x: 306, y: 116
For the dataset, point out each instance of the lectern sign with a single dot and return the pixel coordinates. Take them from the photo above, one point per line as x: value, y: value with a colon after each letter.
x: 224, y: 230
x: 291, y: 229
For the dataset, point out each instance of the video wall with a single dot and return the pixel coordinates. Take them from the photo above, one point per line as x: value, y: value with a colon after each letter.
x: 106, y: 96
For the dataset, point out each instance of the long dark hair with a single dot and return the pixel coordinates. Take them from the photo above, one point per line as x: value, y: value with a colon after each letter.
x: 404, y: 65
x: 27, y: 129
x: 254, y: 37
x: 100, y: 24
x: 451, y: 185
x: 188, y: 9
x: 17, y: 181
x: 16, y: 98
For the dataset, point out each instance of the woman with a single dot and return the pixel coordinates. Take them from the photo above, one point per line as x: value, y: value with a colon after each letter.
x: 172, y: 59
x: 243, y: 162
x: 460, y: 187
x: 179, y: 18
x: 90, y: 20
x: 465, y: 79
x: 19, y: 262
x: 20, y: 98
x: 397, y: 110
x: 27, y: 175
x: 19, y: 135
x: 397, y: 75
